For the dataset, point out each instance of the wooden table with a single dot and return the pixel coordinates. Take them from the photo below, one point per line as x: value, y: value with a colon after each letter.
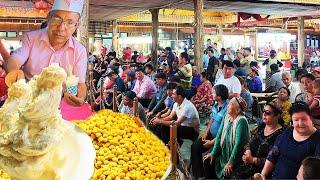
x: 264, y: 96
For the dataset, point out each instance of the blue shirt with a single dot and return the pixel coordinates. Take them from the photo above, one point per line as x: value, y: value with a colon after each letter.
x: 196, y: 80
x: 240, y: 72
x: 217, y: 116
x: 169, y: 102
x: 205, y: 61
x: 255, y: 85
x: 287, y: 153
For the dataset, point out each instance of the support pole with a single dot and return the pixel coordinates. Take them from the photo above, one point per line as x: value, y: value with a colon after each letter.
x: 173, y: 149
x: 256, y: 48
x: 135, y: 107
x: 82, y: 31
x: 155, y: 36
x: 115, y: 36
x: 198, y: 38
x: 114, y: 99
x: 301, y: 38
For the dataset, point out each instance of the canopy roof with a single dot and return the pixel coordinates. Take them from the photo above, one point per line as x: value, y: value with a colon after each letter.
x: 113, y: 9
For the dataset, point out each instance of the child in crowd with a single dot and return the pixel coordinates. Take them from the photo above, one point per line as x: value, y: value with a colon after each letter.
x: 314, y: 103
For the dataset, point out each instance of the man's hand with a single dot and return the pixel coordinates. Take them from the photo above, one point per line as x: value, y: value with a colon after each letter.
x: 13, y: 77
x: 156, y: 121
x: 208, y: 143
x: 72, y: 100
x: 149, y: 114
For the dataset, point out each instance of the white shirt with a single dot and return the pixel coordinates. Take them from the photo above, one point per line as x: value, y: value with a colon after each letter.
x: 271, y: 61
x: 294, y: 91
x: 189, y: 112
x: 232, y: 83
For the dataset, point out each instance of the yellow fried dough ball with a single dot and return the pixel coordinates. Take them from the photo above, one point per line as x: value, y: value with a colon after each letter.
x: 124, y: 150
x: 4, y: 176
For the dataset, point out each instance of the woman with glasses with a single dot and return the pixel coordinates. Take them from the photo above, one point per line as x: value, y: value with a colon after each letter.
x: 261, y: 142
x: 293, y: 145
x: 229, y: 143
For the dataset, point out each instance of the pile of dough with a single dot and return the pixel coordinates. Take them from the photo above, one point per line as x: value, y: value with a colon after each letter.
x: 35, y: 142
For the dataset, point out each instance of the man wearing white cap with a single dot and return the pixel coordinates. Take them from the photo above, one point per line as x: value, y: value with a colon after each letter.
x: 55, y: 44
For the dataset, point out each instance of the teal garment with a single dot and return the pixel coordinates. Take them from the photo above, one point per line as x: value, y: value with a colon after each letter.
x: 227, y: 153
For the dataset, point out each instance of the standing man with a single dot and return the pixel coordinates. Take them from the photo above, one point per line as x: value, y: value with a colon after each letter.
x: 55, y: 44
x: 213, y: 66
x: 248, y: 58
x: 273, y: 59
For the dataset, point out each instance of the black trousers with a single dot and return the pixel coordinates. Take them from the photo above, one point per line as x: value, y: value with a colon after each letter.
x: 183, y: 132
x: 200, y: 168
x: 144, y: 102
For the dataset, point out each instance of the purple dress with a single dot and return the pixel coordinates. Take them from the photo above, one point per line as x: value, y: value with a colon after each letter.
x: 287, y: 153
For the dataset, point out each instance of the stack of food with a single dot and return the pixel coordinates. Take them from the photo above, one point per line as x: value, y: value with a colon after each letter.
x: 35, y: 142
x: 125, y: 149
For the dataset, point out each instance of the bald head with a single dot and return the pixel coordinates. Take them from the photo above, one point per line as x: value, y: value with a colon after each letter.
x: 286, y: 78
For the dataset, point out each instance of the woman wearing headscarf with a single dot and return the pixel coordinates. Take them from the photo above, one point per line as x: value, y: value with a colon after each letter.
x: 261, y: 142
x: 231, y: 139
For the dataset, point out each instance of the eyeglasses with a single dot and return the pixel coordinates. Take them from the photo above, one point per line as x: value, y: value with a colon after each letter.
x: 56, y: 20
x: 266, y: 112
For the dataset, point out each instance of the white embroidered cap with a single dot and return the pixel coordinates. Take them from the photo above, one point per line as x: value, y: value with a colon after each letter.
x: 68, y: 5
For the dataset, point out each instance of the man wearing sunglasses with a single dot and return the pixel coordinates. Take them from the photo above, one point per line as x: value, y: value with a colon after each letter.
x: 54, y: 44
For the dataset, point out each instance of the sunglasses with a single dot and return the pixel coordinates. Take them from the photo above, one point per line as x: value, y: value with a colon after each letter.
x: 266, y: 112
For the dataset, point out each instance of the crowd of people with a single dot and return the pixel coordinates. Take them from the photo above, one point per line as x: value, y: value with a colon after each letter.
x: 237, y: 142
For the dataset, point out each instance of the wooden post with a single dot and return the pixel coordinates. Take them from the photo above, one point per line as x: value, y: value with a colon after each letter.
x: 82, y: 30
x: 114, y: 99
x: 256, y: 48
x: 90, y: 85
x: 173, y: 149
x: 198, y: 38
x: 301, y: 38
x: 155, y: 36
x: 102, y: 95
x: 135, y: 107
x: 115, y: 36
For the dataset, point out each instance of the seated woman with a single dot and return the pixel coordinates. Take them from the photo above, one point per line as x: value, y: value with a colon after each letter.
x: 229, y: 143
x: 293, y: 145
x: 254, y: 84
x: 220, y: 96
x: 285, y: 104
x: 126, y: 106
x: 261, y: 142
x: 203, y: 100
